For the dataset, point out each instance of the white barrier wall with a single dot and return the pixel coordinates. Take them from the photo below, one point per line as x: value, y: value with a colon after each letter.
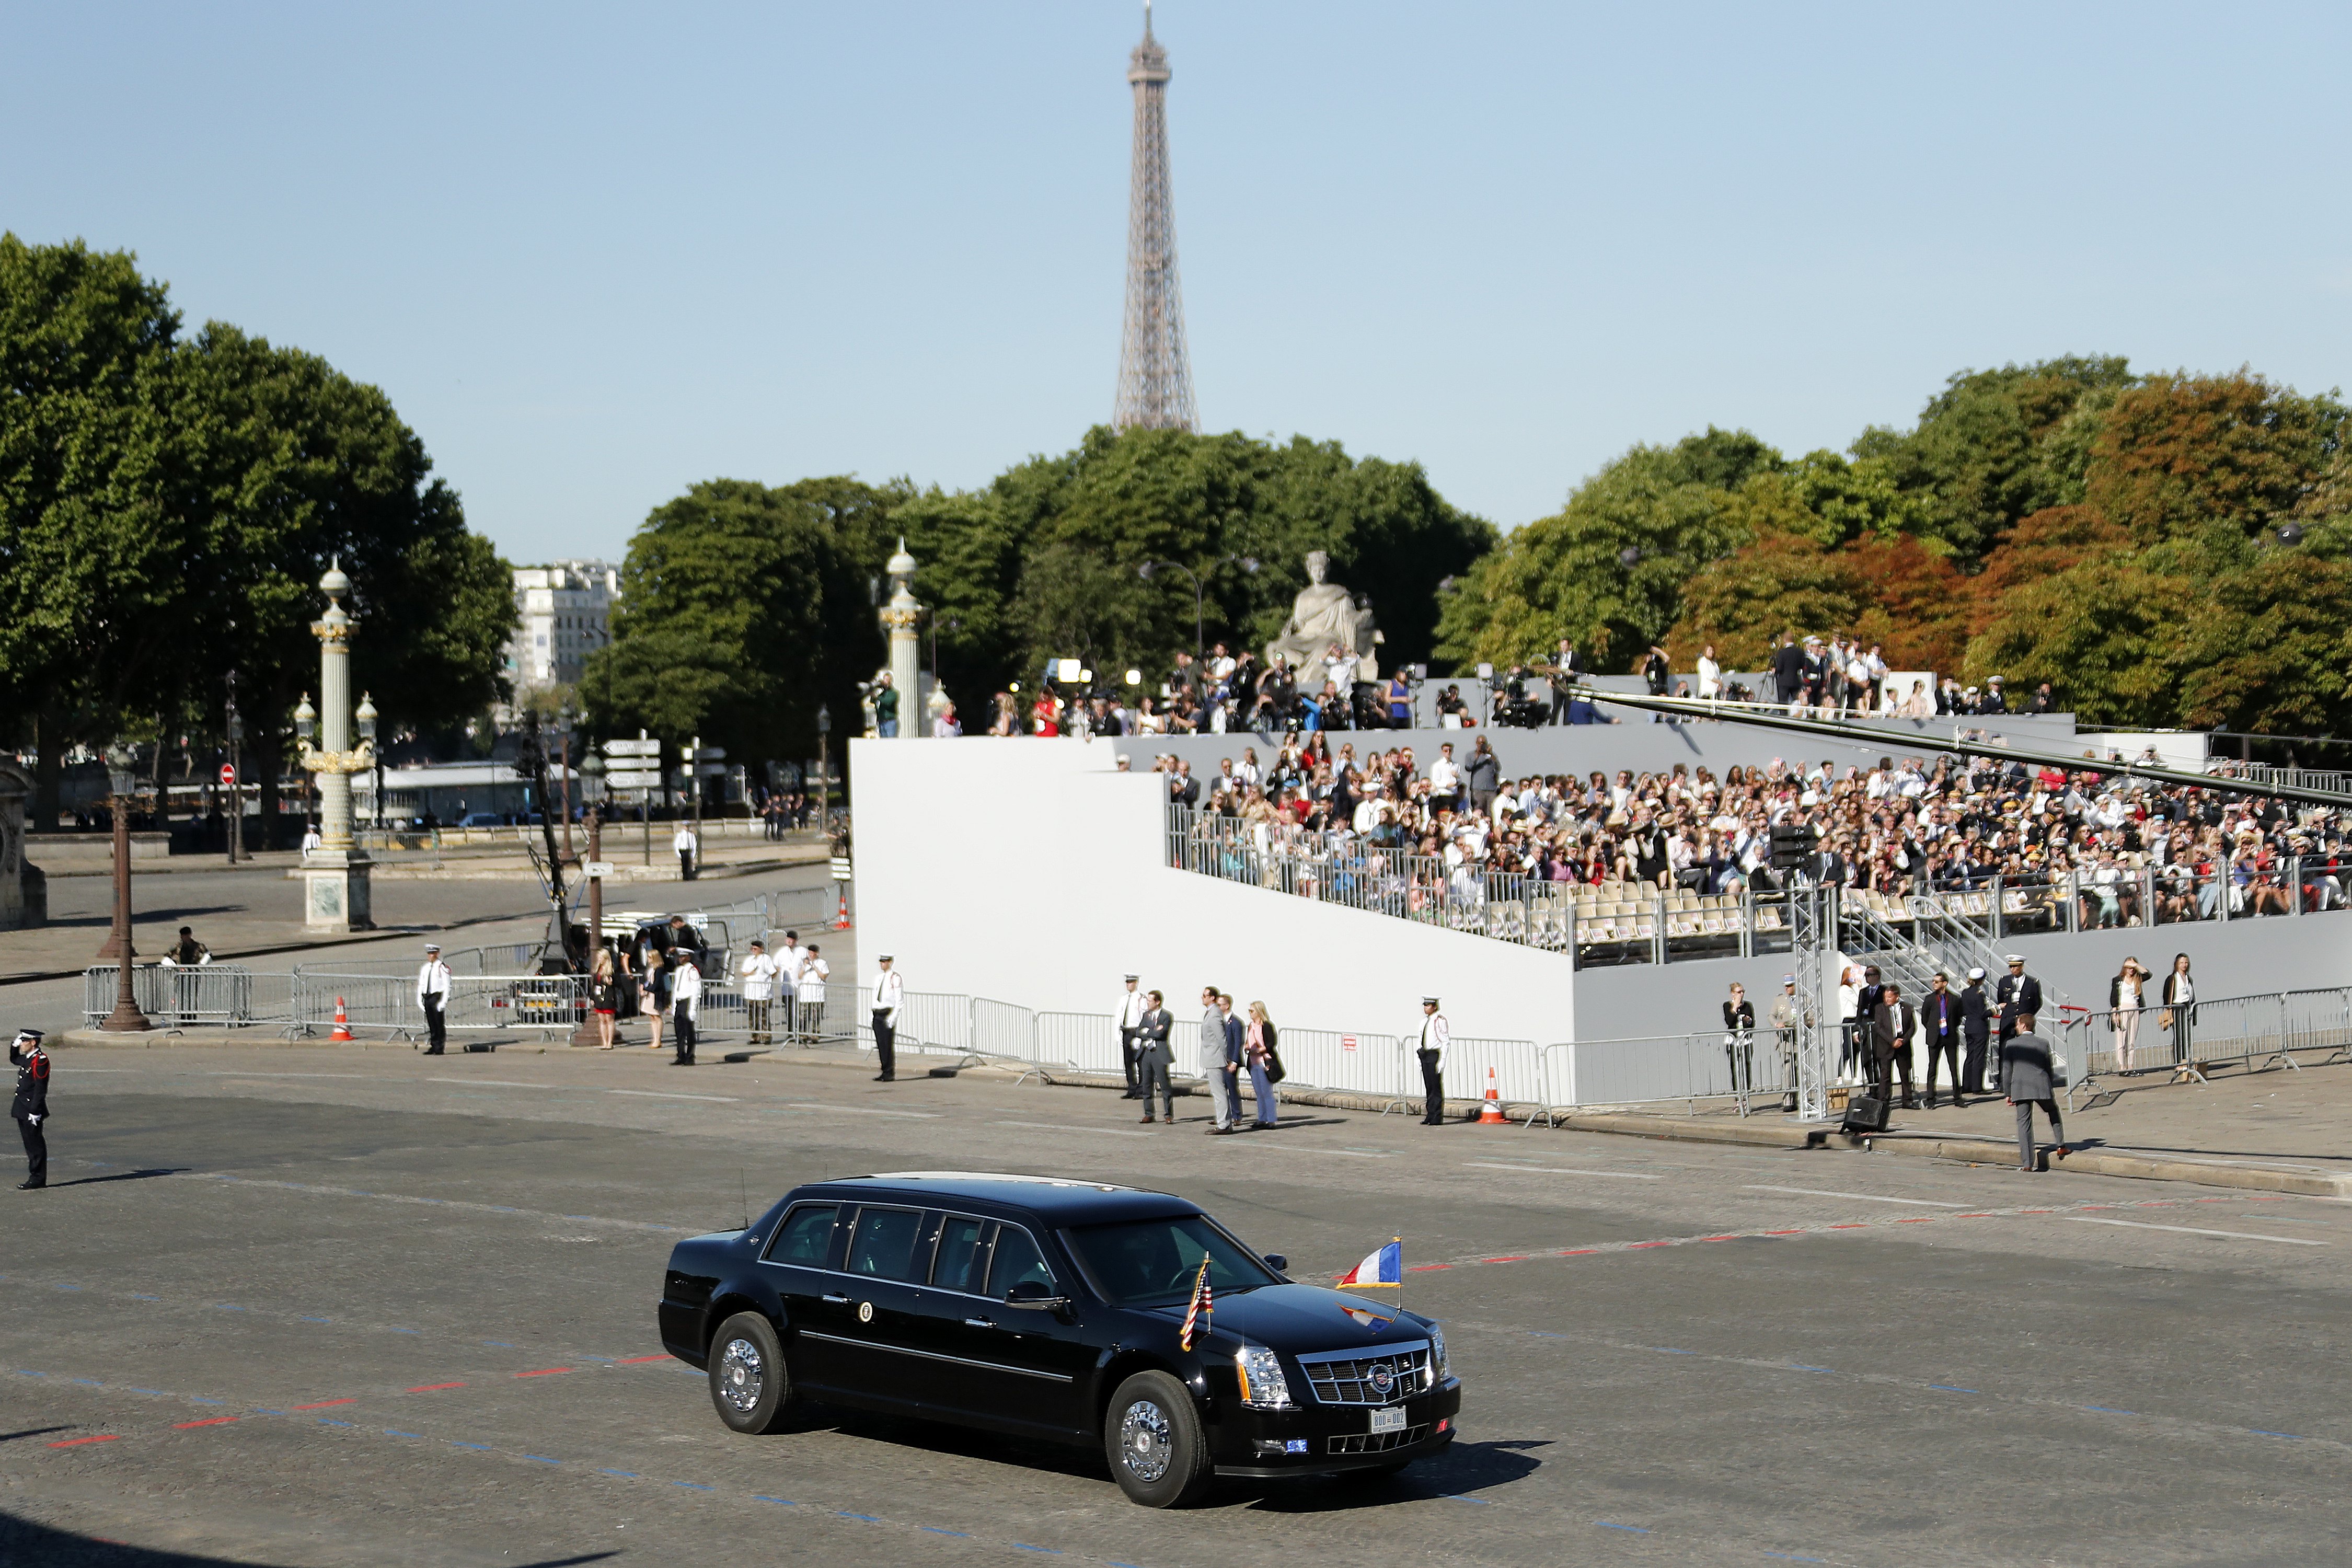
x: 1031, y: 871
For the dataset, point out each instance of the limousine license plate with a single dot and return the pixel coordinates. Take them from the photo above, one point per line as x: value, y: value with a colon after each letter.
x: 1389, y: 1420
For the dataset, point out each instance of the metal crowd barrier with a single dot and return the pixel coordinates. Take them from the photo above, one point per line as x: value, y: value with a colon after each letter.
x: 200, y: 996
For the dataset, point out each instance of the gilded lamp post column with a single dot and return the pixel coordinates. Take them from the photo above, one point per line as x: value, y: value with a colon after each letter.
x: 335, y: 874
x: 899, y: 617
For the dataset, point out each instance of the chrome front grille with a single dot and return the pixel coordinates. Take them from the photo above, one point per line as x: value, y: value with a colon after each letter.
x: 1378, y: 1442
x: 1381, y: 1376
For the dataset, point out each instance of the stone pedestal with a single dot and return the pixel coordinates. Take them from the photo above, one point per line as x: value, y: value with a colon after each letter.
x: 335, y: 891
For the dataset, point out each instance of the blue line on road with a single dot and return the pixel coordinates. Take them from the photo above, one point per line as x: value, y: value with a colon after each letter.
x: 1948, y: 1388
x: 1635, y: 1529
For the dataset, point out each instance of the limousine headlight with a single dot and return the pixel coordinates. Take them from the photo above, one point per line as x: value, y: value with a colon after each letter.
x: 1438, y: 1369
x: 1263, y: 1386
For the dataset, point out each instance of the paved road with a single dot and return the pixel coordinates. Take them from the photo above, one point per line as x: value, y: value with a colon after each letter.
x: 361, y: 1306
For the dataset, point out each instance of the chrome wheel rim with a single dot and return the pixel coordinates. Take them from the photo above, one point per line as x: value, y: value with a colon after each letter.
x: 742, y: 1376
x: 1144, y: 1444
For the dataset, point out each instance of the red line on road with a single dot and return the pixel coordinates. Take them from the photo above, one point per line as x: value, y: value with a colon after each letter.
x: 1724, y: 1237
x: 1578, y: 1251
x: 638, y: 1360
x: 1642, y: 1244
x: 433, y: 1387
x: 1920, y: 1219
x: 1851, y: 1225
x: 214, y: 1421
x: 1426, y: 1267
x: 77, y: 1442
x: 326, y: 1404
x: 1515, y: 1258
x: 544, y: 1371
x: 1784, y: 1233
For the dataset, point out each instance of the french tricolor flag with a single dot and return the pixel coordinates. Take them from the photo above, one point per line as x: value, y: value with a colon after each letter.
x: 1385, y: 1267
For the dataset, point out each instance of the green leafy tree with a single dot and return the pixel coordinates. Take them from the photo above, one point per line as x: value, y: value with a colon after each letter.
x: 1608, y: 569
x: 745, y: 606
x: 1044, y: 562
x: 1996, y: 445
x: 2181, y: 453
x: 95, y: 557
x: 292, y: 465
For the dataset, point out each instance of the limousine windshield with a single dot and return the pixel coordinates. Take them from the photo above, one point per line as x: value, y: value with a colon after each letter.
x: 1151, y: 1262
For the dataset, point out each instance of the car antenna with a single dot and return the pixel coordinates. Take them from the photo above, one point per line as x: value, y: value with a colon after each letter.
x: 743, y: 1190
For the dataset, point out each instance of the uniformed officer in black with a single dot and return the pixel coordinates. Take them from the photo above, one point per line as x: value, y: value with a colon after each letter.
x: 31, y: 1107
x: 2018, y: 994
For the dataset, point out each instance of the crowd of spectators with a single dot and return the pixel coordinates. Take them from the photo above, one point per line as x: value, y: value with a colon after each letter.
x: 1223, y: 693
x: 2130, y: 851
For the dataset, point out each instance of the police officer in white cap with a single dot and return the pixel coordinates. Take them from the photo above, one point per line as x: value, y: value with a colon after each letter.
x: 1132, y: 1006
x: 1786, y: 1014
x: 1434, y: 1034
x: 889, y: 994
x: 433, y: 999
x: 2017, y: 994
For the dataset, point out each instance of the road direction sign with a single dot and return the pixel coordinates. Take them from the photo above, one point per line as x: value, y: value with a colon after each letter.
x: 228, y: 775
x: 841, y: 867
x: 707, y: 754
x: 633, y: 748
x: 632, y: 781
x: 597, y: 868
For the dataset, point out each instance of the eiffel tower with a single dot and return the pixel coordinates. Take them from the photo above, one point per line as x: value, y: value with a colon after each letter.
x: 1155, y: 376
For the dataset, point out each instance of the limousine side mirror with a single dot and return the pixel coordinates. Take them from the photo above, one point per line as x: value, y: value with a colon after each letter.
x: 1031, y: 1295
x: 1277, y: 1262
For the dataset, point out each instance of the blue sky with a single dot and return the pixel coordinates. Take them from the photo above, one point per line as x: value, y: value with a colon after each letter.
x: 594, y: 253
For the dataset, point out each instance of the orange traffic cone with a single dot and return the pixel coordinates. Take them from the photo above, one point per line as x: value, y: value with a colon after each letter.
x: 1491, y: 1113
x: 841, y: 917
x: 342, y: 1022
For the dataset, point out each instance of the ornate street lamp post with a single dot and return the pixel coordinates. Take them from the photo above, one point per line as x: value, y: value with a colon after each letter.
x: 335, y: 878
x: 122, y: 778
x: 823, y: 766
x: 592, y: 797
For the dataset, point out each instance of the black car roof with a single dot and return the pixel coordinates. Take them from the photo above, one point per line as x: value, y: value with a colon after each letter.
x: 1055, y: 1201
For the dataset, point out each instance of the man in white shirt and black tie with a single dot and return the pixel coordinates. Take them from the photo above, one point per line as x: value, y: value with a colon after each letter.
x: 889, y: 990
x: 790, y: 959
x: 1132, y: 1006
x: 688, y: 849
x: 1435, y: 1034
x: 686, y: 1002
x: 433, y: 997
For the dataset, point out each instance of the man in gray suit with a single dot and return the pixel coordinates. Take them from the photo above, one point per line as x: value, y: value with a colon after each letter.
x: 1154, y: 1059
x: 1893, y: 1023
x: 1214, y: 1057
x: 2029, y: 1079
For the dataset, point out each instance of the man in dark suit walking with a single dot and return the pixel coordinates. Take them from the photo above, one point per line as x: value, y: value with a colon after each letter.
x: 1976, y: 1028
x: 2029, y: 1079
x: 1939, y: 1023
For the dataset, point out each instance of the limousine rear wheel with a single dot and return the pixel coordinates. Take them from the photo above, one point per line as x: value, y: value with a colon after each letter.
x: 1153, y: 1437
x: 749, y: 1384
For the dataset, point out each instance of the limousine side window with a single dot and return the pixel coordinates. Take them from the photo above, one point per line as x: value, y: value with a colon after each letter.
x: 963, y: 1262
x: 1016, y: 1259
x: 805, y: 1238
x: 883, y: 1245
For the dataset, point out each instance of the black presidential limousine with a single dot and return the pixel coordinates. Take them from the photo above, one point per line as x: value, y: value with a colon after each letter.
x: 1054, y: 1309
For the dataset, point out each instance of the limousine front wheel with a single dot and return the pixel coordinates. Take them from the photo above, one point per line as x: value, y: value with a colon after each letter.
x: 749, y: 1384
x: 1153, y: 1437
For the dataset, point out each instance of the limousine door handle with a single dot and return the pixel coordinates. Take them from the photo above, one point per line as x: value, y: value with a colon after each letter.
x: 838, y: 1300
x: 979, y: 1322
